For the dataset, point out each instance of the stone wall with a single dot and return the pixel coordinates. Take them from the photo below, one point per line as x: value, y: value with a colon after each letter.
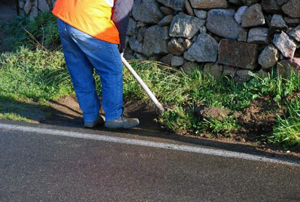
x: 33, y: 7
x: 230, y: 37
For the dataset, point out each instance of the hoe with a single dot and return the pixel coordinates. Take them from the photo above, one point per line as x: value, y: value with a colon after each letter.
x: 144, y: 86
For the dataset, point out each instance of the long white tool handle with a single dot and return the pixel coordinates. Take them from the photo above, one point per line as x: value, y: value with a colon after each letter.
x: 141, y: 82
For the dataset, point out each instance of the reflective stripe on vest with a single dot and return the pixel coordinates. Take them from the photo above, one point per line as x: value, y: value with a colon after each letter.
x: 90, y: 16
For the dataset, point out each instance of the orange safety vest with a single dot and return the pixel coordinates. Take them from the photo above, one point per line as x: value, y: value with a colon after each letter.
x: 89, y: 16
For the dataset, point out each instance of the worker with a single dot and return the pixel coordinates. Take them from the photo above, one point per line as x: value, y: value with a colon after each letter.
x: 93, y: 36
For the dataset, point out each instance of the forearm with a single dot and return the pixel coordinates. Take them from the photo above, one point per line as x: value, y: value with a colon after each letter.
x: 120, y: 17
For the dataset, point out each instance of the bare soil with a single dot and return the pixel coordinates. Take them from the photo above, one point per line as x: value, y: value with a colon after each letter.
x: 257, y: 119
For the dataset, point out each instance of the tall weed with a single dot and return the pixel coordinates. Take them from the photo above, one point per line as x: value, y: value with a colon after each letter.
x: 287, y: 130
x: 41, y: 32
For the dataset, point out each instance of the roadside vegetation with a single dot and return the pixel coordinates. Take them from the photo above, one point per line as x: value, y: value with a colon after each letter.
x: 264, y: 110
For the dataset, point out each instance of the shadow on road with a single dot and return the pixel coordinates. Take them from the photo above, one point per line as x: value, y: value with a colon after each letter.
x: 65, y: 112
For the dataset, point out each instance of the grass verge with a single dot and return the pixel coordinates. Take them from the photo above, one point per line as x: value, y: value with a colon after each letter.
x: 34, y: 73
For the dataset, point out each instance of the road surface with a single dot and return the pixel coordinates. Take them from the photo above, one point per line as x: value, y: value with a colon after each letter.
x: 47, y: 163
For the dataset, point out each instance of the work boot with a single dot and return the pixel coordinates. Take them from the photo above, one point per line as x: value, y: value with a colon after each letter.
x: 122, y: 122
x: 92, y: 124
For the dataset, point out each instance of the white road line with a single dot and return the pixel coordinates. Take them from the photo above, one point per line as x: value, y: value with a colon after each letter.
x: 194, y: 149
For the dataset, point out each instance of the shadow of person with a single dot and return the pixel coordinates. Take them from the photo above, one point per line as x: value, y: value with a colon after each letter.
x: 65, y: 112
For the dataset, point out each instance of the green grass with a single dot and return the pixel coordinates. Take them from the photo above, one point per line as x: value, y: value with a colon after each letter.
x: 14, y: 117
x: 35, y: 71
x: 183, y: 94
x: 41, y: 32
x: 287, y: 130
x: 27, y: 74
x: 226, y: 126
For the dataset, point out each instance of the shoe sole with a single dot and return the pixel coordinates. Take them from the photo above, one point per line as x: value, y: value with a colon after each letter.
x: 117, y: 126
x: 93, y: 124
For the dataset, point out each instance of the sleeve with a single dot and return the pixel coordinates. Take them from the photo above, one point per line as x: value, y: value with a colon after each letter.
x: 120, y: 17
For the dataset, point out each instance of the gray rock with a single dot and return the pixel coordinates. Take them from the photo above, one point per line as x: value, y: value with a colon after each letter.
x: 221, y: 22
x: 292, y: 21
x: 177, y: 5
x: 188, y: 8
x: 203, y: 29
x: 34, y: 11
x: 21, y: 4
x: 131, y: 27
x: 129, y: 54
x: 180, y: 40
x: 208, y: 4
x: 236, y: 2
x: 43, y: 5
x: 146, y: 11
x: 281, y: 2
x: 185, y: 26
x: 166, y: 21
x: 177, y: 61
x: 262, y: 74
x: 140, y: 24
x: 167, y: 59
x: 253, y: 16
x: 229, y: 71
x: 238, y: 54
x: 190, y: 67
x: 285, y: 67
x: 205, y: 49
x: 286, y: 46
x: 140, y: 56
x: 243, y: 35
x: 187, y: 43
x: 141, y: 34
x: 201, y: 14
x: 166, y: 10
x: 270, y: 6
x: 213, y: 69
x: 295, y: 33
x: 238, y: 15
x: 292, y: 8
x: 175, y: 47
x: 258, y: 35
x: 27, y: 6
x: 244, y: 75
x: 268, y: 57
x: 249, y: 2
x: 278, y: 22
x: 135, y: 45
x: 155, y: 41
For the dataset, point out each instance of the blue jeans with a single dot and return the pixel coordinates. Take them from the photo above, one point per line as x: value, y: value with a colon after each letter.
x: 84, y: 53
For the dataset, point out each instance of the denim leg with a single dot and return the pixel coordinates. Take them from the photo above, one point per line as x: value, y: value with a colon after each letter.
x: 109, y: 67
x: 105, y: 58
x: 81, y: 72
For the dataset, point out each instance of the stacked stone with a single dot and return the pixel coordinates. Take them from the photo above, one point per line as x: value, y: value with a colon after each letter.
x: 230, y: 37
x: 33, y: 7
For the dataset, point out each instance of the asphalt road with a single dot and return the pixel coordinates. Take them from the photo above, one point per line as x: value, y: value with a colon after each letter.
x: 36, y: 166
